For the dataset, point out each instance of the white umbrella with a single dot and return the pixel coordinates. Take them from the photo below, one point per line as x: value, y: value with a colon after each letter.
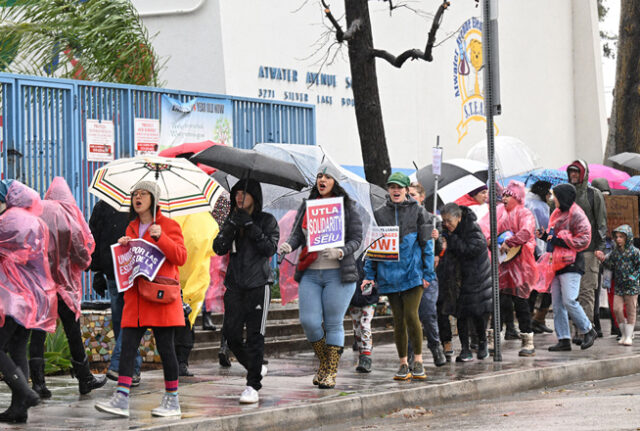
x: 184, y: 187
x: 513, y: 157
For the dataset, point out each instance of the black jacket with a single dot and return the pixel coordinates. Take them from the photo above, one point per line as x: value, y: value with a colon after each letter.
x: 249, y: 248
x: 353, y: 240
x: 468, y: 246
x: 107, y: 226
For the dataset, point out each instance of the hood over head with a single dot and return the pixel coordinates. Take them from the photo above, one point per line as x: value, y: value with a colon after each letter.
x: 566, y: 195
x: 252, y: 187
x: 601, y: 184
x: 21, y: 196
x: 625, y: 229
x: 59, y: 191
x: 582, y: 167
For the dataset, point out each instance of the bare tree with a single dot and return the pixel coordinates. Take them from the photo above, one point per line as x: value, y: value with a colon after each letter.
x: 362, y: 59
x: 624, y: 130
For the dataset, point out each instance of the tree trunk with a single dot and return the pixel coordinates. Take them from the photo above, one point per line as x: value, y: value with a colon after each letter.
x: 626, y: 133
x: 373, y: 144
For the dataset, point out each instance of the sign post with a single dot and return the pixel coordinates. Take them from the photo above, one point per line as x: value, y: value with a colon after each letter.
x: 436, y: 167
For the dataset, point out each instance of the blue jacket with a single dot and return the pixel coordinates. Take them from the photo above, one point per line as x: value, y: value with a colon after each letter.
x: 416, y: 248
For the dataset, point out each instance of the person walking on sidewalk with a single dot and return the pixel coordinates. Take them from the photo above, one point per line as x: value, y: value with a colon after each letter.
x: 519, y: 274
x: 467, y: 257
x: 362, y: 309
x: 569, y: 234
x: 250, y: 236
x: 624, y: 261
x: 107, y: 226
x: 26, y: 280
x: 591, y: 201
x: 140, y: 313
x: 69, y: 252
x: 404, y: 280
x: 327, y: 278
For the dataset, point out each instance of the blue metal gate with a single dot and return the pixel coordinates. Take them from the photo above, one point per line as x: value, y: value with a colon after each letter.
x: 43, y: 127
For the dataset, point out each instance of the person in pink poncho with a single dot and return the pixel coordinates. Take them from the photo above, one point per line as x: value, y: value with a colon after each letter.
x: 27, y: 291
x: 70, y: 248
x: 519, y: 274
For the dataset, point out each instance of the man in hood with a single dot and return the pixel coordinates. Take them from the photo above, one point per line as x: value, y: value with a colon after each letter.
x: 250, y: 236
x: 591, y: 201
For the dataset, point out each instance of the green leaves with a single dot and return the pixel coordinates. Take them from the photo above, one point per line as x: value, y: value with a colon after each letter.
x: 57, y: 355
x: 102, y: 40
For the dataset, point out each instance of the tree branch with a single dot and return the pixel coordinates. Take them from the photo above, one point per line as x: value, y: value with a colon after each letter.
x: 341, y: 35
x: 415, y: 54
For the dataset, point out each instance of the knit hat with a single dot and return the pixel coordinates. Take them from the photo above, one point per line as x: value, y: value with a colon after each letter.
x: 399, y: 178
x: 150, y: 186
x: 327, y: 168
x: 4, y: 189
x: 566, y: 195
x: 515, y: 189
x: 541, y: 188
x: 477, y: 190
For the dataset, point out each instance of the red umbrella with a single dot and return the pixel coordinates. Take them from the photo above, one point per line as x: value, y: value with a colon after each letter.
x: 188, y: 149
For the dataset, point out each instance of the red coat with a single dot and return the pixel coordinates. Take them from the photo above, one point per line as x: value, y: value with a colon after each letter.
x: 139, y: 312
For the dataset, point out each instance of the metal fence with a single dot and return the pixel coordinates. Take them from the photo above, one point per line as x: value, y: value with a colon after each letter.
x: 43, y: 121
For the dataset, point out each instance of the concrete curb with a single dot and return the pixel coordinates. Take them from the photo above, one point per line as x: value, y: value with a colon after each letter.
x: 369, y: 405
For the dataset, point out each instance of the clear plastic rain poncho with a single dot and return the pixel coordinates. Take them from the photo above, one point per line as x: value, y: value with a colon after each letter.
x: 27, y: 291
x: 70, y: 242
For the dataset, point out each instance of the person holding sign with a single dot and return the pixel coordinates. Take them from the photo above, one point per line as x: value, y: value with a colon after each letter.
x: 250, y: 236
x: 327, y: 276
x: 404, y: 280
x: 142, y: 311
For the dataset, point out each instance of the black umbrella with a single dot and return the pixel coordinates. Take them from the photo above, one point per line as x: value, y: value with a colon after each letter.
x: 250, y: 164
x: 458, y: 177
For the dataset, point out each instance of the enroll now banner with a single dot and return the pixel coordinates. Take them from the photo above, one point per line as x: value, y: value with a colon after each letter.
x: 138, y: 258
x: 200, y: 119
x: 325, y: 223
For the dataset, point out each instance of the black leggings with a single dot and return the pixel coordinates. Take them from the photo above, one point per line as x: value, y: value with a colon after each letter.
x: 164, y: 343
x: 71, y: 328
x: 13, y: 338
x: 545, y: 301
x: 521, y: 307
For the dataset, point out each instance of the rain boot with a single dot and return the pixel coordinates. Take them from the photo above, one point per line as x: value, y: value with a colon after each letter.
x: 332, y: 361
x: 87, y: 381
x: 511, y: 333
x: 36, y: 369
x: 627, y: 338
x: 527, y: 345
x: 538, y: 322
x: 320, y: 349
x: 22, y: 397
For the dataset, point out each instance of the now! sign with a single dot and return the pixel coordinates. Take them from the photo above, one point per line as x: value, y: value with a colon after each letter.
x: 385, y: 243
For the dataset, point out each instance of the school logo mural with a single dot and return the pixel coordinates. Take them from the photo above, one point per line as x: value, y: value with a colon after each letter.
x: 468, y: 76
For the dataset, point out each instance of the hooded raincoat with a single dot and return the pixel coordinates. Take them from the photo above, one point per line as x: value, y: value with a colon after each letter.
x: 70, y: 242
x: 198, y: 231
x: 27, y: 291
x: 594, y: 208
x: 625, y: 264
x: 518, y: 275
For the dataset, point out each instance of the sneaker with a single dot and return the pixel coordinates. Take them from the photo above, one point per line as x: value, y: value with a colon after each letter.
x: 118, y: 405
x: 417, y: 371
x: 169, y: 406
x: 364, y: 364
x: 135, y: 380
x: 249, y: 396
x: 403, y: 373
x: 112, y: 375
x: 264, y: 370
x: 465, y: 356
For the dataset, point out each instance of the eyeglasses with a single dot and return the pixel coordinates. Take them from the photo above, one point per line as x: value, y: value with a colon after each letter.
x: 140, y: 193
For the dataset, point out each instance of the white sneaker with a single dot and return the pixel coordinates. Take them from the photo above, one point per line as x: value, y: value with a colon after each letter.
x: 118, y: 405
x: 249, y: 396
x: 264, y: 371
x: 169, y: 406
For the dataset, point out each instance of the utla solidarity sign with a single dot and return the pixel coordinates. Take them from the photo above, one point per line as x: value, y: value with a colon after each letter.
x: 325, y: 223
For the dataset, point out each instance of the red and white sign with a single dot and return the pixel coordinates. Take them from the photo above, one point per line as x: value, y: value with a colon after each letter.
x: 101, y: 140
x: 385, y: 243
x: 146, y: 135
x: 325, y: 223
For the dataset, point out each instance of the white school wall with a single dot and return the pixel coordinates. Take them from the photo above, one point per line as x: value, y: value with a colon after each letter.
x: 550, y: 71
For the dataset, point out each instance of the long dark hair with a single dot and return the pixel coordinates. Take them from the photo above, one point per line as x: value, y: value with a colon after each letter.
x: 132, y: 212
x: 337, y: 191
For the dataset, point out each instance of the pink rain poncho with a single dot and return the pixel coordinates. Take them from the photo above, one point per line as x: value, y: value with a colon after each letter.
x: 518, y: 275
x: 27, y: 291
x: 574, y: 229
x: 70, y: 242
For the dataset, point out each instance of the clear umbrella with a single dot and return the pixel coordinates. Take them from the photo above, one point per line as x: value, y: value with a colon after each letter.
x: 513, y: 157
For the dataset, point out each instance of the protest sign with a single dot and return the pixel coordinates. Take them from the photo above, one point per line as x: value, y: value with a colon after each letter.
x: 101, y: 139
x: 385, y: 243
x: 621, y: 209
x: 325, y: 223
x: 146, y: 136
x: 139, y: 258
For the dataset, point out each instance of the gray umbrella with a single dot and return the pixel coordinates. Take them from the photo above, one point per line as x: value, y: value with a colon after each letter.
x: 630, y: 160
x: 250, y: 164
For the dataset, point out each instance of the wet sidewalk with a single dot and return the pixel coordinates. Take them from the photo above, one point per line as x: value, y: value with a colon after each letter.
x: 288, y: 401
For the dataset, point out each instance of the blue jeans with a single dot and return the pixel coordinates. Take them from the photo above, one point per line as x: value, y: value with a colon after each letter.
x: 429, y: 315
x: 323, y: 301
x: 564, y: 293
x: 117, y: 304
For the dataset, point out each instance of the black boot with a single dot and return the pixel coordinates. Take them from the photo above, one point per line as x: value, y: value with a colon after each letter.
x: 207, y: 322
x: 223, y: 354
x: 564, y: 345
x: 22, y: 397
x: 87, y: 381
x: 439, y: 359
x: 511, y: 333
x: 183, y: 370
x: 36, y: 369
x: 589, y: 338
